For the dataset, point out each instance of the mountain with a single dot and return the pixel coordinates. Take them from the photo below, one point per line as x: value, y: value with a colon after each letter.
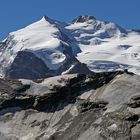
x: 101, y: 106
x: 40, y: 50
x: 70, y: 81
x: 106, y: 46
x: 49, y: 47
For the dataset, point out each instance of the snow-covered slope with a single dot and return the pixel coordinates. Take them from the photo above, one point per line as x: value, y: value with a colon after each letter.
x: 106, y: 46
x: 40, y: 35
x: 49, y: 47
x: 41, y: 49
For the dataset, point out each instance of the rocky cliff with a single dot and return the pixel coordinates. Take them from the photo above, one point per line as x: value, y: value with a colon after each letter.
x: 104, y: 106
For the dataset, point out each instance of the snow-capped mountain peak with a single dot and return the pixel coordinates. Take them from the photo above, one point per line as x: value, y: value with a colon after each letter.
x: 51, y: 21
x: 82, y: 19
x: 44, y: 44
x: 55, y: 46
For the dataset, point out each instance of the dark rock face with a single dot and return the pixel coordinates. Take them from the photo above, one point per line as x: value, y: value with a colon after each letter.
x: 27, y: 65
x: 24, y: 66
x: 83, y: 19
x: 80, y: 68
x: 71, y: 107
x: 135, y: 102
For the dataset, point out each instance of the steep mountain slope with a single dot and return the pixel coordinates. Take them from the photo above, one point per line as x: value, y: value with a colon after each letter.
x: 39, y: 50
x: 106, y: 46
x: 48, y: 48
x: 71, y: 107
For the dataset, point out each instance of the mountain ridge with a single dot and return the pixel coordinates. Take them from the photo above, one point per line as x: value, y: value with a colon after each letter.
x: 59, y: 45
x: 71, y: 107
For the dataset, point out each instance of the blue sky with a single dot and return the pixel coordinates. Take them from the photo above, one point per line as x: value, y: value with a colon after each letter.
x: 15, y: 14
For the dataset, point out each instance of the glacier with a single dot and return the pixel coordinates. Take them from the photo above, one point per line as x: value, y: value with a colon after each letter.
x: 49, y: 47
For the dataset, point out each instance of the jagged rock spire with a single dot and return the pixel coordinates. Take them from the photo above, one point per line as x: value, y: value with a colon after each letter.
x: 83, y: 19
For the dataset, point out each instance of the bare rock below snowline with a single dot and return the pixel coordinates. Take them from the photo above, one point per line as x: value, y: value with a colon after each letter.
x: 71, y: 107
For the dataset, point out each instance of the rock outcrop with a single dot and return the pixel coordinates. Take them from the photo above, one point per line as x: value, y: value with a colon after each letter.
x: 104, y: 106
